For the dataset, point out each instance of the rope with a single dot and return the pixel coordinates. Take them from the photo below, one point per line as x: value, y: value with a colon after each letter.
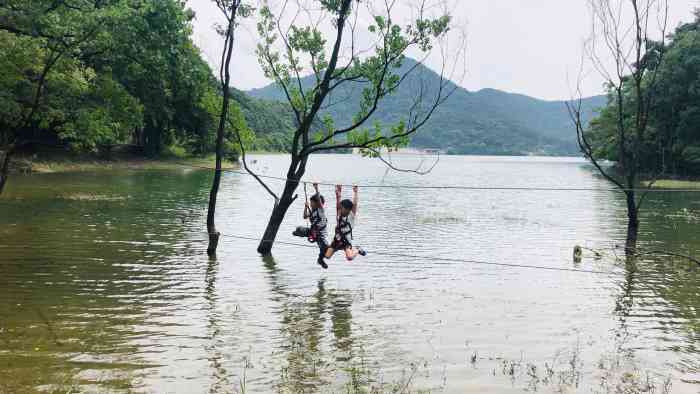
x: 457, y: 187
x: 442, y: 259
x: 306, y: 203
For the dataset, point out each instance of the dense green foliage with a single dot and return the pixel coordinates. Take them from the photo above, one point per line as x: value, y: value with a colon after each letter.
x: 101, y: 73
x: 484, y: 122
x: 93, y: 74
x: 272, y: 122
x: 289, y: 49
x: 376, y: 73
x: 672, y: 145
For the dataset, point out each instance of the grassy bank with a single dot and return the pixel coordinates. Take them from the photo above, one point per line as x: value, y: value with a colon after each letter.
x: 675, y: 184
x: 83, y: 164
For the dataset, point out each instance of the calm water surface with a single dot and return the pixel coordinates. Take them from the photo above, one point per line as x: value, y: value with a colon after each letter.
x: 105, y: 286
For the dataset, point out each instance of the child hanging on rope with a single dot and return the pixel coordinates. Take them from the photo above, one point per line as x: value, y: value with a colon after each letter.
x: 316, y: 214
x: 346, y: 212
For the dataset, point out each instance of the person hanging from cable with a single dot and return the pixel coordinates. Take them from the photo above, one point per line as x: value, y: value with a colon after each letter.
x: 346, y: 211
x: 316, y: 233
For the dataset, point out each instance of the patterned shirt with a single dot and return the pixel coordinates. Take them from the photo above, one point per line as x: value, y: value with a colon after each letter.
x: 346, y: 225
x: 319, y: 221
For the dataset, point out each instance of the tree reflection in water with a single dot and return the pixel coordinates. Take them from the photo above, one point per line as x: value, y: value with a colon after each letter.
x: 309, y: 361
x: 220, y: 381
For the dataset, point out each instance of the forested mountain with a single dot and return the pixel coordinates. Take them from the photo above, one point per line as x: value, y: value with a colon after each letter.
x: 271, y: 121
x: 89, y: 77
x: 485, y: 122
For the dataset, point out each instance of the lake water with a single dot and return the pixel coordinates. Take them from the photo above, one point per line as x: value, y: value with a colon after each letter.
x: 105, y: 285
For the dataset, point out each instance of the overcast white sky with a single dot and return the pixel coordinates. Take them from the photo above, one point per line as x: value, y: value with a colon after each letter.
x: 520, y: 46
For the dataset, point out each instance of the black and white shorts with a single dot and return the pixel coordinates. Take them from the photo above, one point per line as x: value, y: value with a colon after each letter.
x: 341, y: 244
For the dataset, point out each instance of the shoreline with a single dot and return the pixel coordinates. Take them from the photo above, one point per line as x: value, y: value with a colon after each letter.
x: 674, y: 184
x: 24, y: 165
x: 27, y: 165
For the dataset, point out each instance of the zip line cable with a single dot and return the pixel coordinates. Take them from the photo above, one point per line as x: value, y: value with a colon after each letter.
x: 441, y: 259
x: 446, y: 187
x: 457, y: 187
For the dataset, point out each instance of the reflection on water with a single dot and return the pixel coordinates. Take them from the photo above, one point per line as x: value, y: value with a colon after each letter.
x: 302, y: 328
x: 105, y: 284
x: 81, y: 280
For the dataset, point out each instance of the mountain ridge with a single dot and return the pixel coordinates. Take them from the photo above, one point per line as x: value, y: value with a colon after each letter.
x: 487, y: 121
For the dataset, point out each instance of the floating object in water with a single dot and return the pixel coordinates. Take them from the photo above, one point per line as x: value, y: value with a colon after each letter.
x: 578, y: 254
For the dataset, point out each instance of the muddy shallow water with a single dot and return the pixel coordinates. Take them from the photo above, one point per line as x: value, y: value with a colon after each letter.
x: 105, y: 285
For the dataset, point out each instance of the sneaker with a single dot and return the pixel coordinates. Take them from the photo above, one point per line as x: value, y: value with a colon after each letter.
x: 322, y: 264
x: 361, y: 252
x: 300, y: 232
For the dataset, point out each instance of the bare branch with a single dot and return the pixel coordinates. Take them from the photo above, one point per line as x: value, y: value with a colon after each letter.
x: 575, y: 113
x: 389, y: 163
x: 666, y: 253
x: 336, y: 67
x: 290, y: 54
x: 416, y: 122
x: 245, y: 164
x: 440, y: 99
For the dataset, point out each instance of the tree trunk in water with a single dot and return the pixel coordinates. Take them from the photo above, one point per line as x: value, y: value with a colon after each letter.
x: 4, y: 168
x: 225, y: 86
x: 632, y: 224
x: 211, y: 226
x: 278, y: 214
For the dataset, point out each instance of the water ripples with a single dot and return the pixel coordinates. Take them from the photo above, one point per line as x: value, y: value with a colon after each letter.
x: 110, y: 289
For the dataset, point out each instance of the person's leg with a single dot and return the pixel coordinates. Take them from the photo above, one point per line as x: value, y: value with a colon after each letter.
x: 323, y: 248
x: 350, y: 253
x: 334, y: 247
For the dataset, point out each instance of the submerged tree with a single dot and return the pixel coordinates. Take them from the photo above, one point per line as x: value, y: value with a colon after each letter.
x: 291, y: 47
x: 672, y: 148
x: 232, y: 10
x: 624, y: 32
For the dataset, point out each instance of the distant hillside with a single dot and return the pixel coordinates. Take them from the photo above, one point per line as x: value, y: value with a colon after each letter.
x: 272, y: 121
x: 485, y: 122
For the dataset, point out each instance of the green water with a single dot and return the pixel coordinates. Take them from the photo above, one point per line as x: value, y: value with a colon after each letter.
x: 105, y: 286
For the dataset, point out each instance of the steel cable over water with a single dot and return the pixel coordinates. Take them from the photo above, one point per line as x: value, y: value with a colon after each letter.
x: 455, y: 187
x: 442, y: 259
x: 447, y: 187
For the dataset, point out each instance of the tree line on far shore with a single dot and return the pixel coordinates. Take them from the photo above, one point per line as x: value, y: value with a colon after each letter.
x: 92, y: 74
x: 671, y: 146
x: 89, y: 75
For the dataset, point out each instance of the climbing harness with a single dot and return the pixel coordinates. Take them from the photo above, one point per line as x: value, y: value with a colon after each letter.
x: 315, y: 229
x: 343, y: 230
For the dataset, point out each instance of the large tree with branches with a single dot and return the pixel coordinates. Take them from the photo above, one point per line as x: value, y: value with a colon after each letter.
x: 626, y: 48
x: 57, y: 29
x: 294, y: 43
